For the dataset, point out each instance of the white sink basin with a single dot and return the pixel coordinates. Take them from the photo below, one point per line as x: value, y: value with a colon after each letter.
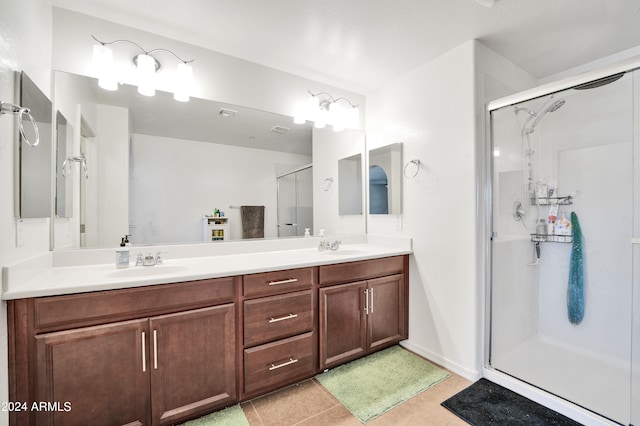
x: 147, y: 271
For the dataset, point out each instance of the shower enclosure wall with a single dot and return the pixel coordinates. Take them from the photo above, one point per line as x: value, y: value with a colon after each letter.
x: 565, y: 306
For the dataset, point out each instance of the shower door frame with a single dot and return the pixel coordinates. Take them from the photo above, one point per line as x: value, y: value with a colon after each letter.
x: 486, y: 234
x: 295, y: 225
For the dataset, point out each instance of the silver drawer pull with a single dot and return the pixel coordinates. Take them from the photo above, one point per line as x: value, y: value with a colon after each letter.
x: 366, y: 301
x: 289, y: 281
x: 284, y: 364
x: 144, y: 354
x: 155, y: 349
x: 290, y: 316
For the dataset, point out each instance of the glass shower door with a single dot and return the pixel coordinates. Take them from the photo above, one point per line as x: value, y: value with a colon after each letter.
x: 295, y: 202
x: 565, y: 155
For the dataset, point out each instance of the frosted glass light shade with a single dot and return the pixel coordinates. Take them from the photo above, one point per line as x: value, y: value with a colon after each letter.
x: 146, y: 71
x: 103, y: 67
x: 312, y: 108
x: 353, y: 118
x: 337, y: 117
x: 184, y: 79
x: 321, y: 119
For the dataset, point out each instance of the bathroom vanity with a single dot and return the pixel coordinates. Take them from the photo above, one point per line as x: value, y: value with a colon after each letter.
x: 162, y: 353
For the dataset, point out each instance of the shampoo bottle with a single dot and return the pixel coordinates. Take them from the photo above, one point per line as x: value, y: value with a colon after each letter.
x: 563, y: 227
x: 122, y: 256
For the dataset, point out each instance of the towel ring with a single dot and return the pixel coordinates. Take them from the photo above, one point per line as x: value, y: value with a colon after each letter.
x: 416, y: 163
x: 66, y: 165
x: 6, y: 108
x: 326, y: 185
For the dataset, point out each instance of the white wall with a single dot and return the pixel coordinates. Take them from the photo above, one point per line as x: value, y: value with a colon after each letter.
x: 168, y: 207
x: 25, y: 29
x: 432, y: 111
x: 437, y: 112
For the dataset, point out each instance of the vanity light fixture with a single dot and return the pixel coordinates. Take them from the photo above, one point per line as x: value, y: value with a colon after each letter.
x: 322, y: 108
x: 146, y: 65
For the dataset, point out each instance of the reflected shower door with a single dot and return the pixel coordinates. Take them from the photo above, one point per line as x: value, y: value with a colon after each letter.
x: 295, y: 202
x: 580, y: 145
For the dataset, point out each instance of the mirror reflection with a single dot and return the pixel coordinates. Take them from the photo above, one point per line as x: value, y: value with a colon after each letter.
x: 33, y: 185
x: 161, y: 170
x: 350, y: 185
x: 385, y: 180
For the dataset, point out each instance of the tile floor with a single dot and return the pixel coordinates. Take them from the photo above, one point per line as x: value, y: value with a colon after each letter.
x: 309, y: 403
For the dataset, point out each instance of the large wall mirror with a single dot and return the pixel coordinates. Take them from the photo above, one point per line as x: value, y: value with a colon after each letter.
x: 385, y: 180
x: 158, y: 168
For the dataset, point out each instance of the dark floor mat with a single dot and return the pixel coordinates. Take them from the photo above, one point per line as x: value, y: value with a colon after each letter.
x: 486, y: 403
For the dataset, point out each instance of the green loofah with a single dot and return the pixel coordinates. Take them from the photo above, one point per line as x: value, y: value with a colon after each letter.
x: 575, y: 290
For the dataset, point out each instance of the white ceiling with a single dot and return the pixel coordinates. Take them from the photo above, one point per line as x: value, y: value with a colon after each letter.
x: 361, y: 44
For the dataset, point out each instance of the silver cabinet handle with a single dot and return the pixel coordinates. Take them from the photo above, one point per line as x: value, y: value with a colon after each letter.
x: 144, y: 352
x: 366, y: 301
x: 371, y: 307
x: 284, y: 364
x: 155, y: 349
x: 286, y: 317
x: 288, y: 281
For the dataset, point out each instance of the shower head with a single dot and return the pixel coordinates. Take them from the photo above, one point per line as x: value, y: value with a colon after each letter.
x: 553, y: 107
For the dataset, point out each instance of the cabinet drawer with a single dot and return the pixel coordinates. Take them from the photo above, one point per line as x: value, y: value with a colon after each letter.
x: 275, y: 317
x: 277, y: 282
x: 275, y: 364
x: 59, y: 312
x: 360, y: 270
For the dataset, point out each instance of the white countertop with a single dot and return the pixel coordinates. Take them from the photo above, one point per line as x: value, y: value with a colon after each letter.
x: 55, y: 274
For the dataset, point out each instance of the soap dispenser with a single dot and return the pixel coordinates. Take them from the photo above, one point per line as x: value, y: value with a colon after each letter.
x: 122, y: 255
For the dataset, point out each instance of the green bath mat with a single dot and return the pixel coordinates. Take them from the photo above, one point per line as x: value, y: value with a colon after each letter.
x: 372, y: 385
x: 231, y: 416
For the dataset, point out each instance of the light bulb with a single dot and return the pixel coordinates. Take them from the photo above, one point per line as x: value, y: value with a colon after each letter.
x: 146, y: 70
x: 184, y: 78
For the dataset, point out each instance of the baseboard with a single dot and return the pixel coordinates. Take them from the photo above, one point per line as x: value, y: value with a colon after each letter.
x: 456, y: 368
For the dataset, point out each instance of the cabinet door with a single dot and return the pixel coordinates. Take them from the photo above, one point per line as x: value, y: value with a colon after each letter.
x: 385, y: 322
x: 93, y: 376
x: 193, y: 363
x: 342, y: 323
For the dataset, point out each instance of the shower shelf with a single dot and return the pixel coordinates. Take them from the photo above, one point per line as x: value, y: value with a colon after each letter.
x: 539, y: 238
x: 547, y: 201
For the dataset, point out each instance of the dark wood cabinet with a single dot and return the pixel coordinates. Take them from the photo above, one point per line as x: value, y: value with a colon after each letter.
x: 343, y: 331
x: 163, y: 354
x: 192, y: 360
x: 167, y: 365
x: 95, y: 375
x: 279, y: 327
x: 357, y: 318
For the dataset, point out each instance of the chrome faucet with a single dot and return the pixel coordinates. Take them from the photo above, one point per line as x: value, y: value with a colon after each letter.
x: 149, y: 259
x: 324, y: 245
x: 335, y: 245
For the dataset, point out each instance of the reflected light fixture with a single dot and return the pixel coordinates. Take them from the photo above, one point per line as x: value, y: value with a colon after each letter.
x: 147, y: 65
x: 323, y: 109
